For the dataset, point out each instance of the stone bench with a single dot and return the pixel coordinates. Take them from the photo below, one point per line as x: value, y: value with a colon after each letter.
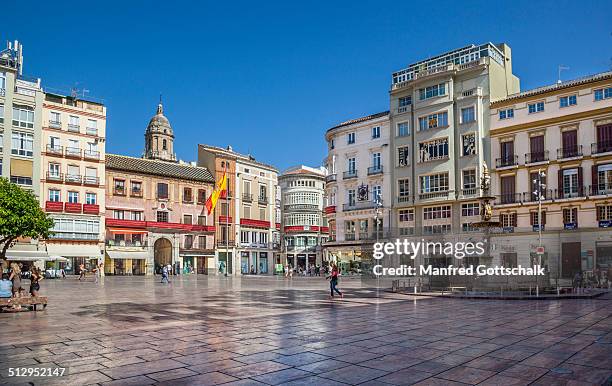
x: 29, y: 301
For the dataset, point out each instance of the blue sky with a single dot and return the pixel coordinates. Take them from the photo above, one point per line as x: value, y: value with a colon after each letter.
x: 270, y: 77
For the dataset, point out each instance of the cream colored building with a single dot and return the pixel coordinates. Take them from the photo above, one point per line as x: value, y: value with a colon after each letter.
x: 359, y: 176
x: 72, y: 178
x: 255, y: 201
x: 21, y: 105
x: 565, y: 131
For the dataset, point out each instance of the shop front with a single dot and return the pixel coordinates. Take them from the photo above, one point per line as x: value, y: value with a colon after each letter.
x: 27, y: 258
x: 126, y: 263
x: 351, y: 261
x: 89, y: 255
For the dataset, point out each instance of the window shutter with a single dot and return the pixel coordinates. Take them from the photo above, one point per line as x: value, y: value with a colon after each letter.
x: 543, y: 221
x: 560, y: 183
x: 594, y: 179
x: 532, y: 218
x: 580, y: 183
x: 514, y: 220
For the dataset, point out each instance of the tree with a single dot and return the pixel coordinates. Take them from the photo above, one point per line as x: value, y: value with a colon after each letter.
x: 20, y: 216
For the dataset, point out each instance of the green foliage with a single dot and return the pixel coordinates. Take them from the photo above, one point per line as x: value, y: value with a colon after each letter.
x: 20, y: 216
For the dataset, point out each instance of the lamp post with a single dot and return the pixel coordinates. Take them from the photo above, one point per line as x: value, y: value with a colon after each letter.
x: 539, y: 196
x: 378, y: 204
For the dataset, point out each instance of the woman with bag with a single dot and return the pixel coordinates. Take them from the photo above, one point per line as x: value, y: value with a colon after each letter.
x: 333, y: 282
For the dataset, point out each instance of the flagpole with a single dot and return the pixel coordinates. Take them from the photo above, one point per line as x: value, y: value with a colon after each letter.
x: 226, y: 220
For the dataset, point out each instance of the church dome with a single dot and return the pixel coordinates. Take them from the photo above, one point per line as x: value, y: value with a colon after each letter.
x: 159, y: 123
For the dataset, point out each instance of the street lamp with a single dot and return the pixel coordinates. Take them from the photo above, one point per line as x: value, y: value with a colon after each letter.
x: 378, y: 204
x: 539, y: 195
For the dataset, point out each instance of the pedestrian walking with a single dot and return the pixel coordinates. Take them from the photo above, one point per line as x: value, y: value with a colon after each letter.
x: 81, y: 271
x: 35, y: 279
x: 165, y: 274
x: 333, y: 282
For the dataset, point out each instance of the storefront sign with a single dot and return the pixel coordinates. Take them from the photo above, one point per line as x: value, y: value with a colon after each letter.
x: 605, y: 223
x: 508, y: 229
x: 570, y: 225
x: 536, y: 228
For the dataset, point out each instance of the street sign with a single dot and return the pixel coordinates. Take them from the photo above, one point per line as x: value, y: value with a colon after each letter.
x: 540, y: 250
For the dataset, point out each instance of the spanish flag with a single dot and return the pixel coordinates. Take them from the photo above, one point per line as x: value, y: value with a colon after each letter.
x: 212, y: 200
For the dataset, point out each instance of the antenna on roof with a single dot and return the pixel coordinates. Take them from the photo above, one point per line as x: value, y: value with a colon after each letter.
x: 561, y: 68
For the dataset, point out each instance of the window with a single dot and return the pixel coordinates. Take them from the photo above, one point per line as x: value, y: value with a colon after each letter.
x: 119, y: 214
x: 509, y: 260
x: 137, y: 216
x: 570, y: 216
x: 54, y: 195
x: 54, y: 170
x: 402, y: 156
x: 55, y: 119
x: 434, y: 183
x: 469, y: 179
x: 92, y: 127
x: 467, y: 227
x: 436, y: 229
x: 22, y: 144
x: 376, y: 164
x: 23, y: 116
x: 352, y: 166
x: 201, y: 220
x: 403, y: 187
x: 1, y: 113
x: 351, y: 197
x: 405, y: 101
x: 534, y: 218
x: 468, y: 146
x: 403, y: 129
x: 90, y: 198
x: 567, y: 101
x: 164, y: 145
x: 2, y: 81
x: 604, y: 179
x: 1, y: 142
x: 570, y: 182
x: 406, y: 215
x: 433, y: 150
x: 246, y: 211
x: 54, y: 143
x: 351, y: 138
x: 375, y: 132
x: 187, y: 219
x: 136, y: 188
x: 433, y: 120
x: 73, y: 197
x: 468, y: 115
x: 377, y: 194
x: 508, y: 220
x: 432, y: 91
x: 263, y: 192
x: 437, y: 212
x: 470, y: 209
x: 162, y: 216
x: 67, y: 228
x: 506, y: 114
x: 201, y: 196
x: 119, y: 186
x: 73, y: 123
x: 604, y: 212
x: 202, y: 242
x: 188, y: 241
x: 603, y: 93
x: 535, y: 107
x: 162, y: 190
x: 262, y: 213
x: 332, y: 145
x: 187, y: 196
x: 19, y: 180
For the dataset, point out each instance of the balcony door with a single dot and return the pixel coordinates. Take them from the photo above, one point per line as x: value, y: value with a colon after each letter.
x: 507, y: 190
x: 507, y: 152
x: 604, y: 138
x: 570, y: 143
x: 537, y: 148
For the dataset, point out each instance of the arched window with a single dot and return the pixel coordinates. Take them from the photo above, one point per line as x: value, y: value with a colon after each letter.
x: 164, y: 145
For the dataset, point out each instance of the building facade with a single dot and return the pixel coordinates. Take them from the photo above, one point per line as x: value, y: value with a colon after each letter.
x: 439, y: 137
x: 72, y: 178
x: 555, y: 141
x: 304, y: 224
x: 249, y: 215
x: 21, y: 105
x: 155, y: 210
x: 357, y: 190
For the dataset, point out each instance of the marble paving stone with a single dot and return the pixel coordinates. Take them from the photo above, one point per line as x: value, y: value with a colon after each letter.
x: 353, y: 374
x: 466, y: 375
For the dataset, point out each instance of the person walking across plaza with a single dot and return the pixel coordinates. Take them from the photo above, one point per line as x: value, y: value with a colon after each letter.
x: 165, y: 274
x: 81, y: 271
x: 333, y: 282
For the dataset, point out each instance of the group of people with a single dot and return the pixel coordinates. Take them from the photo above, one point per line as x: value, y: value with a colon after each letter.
x: 331, y: 273
x: 311, y: 270
x: 96, y: 270
x: 11, y: 284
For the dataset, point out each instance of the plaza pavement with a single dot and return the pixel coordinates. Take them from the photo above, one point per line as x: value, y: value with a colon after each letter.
x: 257, y: 331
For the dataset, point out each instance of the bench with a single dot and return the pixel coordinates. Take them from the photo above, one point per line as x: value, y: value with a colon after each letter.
x: 30, y: 301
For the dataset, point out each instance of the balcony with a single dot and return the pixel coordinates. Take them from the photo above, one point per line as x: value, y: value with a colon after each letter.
x: 469, y: 192
x: 136, y: 193
x: 404, y: 198
x: 91, y: 209
x: 91, y: 154
x: 188, y: 199
x: 331, y: 178
x: 55, y: 150
x: 548, y: 194
x: 59, y: 177
x: 73, y: 152
x: 569, y: 152
x: 359, y: 205
x: 125, y: 243
x: 350, y: 174
x: 330, y: 209
x: 119, y: 191
x: 54, y: 206
x: 507, y: 161
x: 74, y: 128
x: 373, y: 170
x: 601, y: 147
x: 564, y: 193
x: 247, y: 197
x: 73, y: 207
x: 225, y: 243
x: 540, y: 156
x: 262, y: 200
x: 601, y: 189
x: 254, y: 223
x: 508, y: 198
x: 435, y: 195
x: 349, y: 236
x: 74, y: 236
x: 55, y: 124
x: 91, y: 131
x: 73, y: 179
x: 91, y: 180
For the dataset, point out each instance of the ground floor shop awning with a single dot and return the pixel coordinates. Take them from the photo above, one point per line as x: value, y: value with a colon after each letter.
x: 134, y: 255
x: 24, y: 255
x: 74, y: 250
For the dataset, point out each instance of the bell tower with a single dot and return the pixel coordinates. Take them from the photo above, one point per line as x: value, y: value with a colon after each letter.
x: 159, y: 137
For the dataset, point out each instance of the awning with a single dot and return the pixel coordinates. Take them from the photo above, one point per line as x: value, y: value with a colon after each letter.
x: 134, y: 255
x: 56, y: 258
x: 74, y: 250
x: 17, y: 255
